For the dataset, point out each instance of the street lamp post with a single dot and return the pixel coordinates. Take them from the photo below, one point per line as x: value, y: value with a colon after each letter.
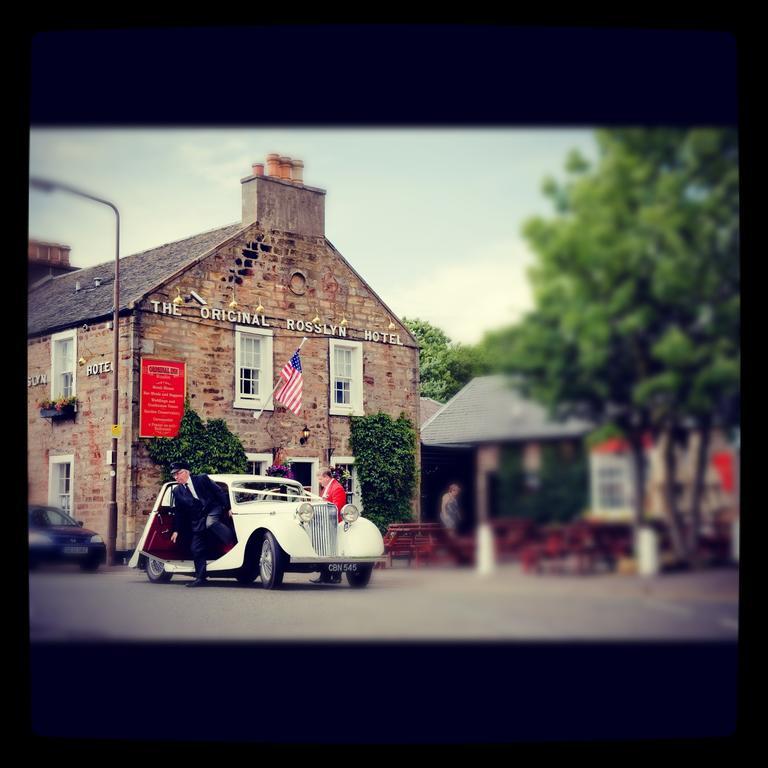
x: 47, y: 185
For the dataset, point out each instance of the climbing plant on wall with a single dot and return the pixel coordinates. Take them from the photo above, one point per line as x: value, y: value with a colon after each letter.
x: 385, y: 461
x: 209, y: 447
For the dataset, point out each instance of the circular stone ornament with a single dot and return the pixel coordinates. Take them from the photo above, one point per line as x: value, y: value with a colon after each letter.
x: 297, y: 282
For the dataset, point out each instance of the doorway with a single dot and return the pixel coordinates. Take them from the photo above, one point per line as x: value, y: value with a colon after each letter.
x: 306, y: 471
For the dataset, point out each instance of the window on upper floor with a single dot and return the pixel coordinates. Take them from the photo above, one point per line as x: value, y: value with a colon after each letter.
x: 253, y: 368
x: 346, y: 377
x: 63, y: 355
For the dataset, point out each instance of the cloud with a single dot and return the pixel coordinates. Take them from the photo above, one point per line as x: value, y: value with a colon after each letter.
x: 219, y: 162
x: 488, y: 290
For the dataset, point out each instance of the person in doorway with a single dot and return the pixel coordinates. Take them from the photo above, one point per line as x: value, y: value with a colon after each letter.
x: 201, y: 510
x: 333, y: 491
x: 450, y: 511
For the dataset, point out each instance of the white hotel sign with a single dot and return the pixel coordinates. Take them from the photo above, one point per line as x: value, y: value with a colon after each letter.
x: 238, y: 317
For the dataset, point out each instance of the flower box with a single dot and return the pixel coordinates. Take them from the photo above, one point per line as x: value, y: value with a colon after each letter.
x: 67, y: 412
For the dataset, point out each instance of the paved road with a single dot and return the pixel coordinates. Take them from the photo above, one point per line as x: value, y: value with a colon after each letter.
x: 400, y: 604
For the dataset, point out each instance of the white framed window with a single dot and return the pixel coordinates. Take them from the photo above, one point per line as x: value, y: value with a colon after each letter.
x: 352, y: 485
x: 258, y: 463
x: 612, y: 486
x: 63, y: 357
x: 253, y: 368
x: 60, y: 482
x: 346, y: 377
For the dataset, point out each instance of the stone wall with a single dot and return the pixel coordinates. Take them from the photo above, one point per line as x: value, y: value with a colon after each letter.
x: 88, y: 436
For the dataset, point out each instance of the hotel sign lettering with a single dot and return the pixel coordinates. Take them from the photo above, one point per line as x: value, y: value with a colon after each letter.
x: 34, y: 381
x: 240, y: 317
x: 97, y: 368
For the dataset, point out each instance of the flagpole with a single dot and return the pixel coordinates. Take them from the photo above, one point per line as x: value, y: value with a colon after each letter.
x: 279, y: 383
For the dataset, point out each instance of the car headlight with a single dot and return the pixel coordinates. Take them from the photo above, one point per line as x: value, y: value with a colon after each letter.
x: 349, y: 513
x: 305, y: 512
x: 97, y: 539
x: 37, y: 539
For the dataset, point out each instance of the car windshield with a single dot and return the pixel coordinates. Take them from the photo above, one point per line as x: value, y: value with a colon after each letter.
x: 45, y: 517
x: 265, y: 491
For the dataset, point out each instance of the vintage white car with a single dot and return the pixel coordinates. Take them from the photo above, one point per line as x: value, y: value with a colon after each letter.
x: 279, y: 527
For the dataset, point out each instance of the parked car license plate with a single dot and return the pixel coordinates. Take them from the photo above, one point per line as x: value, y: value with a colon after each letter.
x: 339, y: 567
x: 75, y: 550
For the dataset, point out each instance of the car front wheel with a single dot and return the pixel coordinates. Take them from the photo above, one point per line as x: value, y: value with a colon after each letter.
x: 156, y: 572
x: 360, y: 578
x: 271, y: 563
x: 91, y: 564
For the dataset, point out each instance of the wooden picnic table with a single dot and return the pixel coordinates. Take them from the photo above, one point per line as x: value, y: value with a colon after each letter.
x: 581, y: 543
x: 433, y: 542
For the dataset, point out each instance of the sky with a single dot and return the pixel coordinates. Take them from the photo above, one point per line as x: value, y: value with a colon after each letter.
x: 431, y: 218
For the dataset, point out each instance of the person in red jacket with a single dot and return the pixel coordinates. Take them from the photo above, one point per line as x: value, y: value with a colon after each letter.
x: 333, y: 491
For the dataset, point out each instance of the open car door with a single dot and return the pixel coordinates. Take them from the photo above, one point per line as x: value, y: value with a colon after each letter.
x: 158, y: 542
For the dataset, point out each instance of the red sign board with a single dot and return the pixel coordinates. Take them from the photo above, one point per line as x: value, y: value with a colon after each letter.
x: 161, y: 403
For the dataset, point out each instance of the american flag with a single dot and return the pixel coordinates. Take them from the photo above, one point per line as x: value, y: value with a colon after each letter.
x: 289, y: 394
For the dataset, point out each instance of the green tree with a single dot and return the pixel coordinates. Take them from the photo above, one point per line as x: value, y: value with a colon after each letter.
x: 385, y: 460
x: 636, y: 287
x: 444, y: 366
x: 210, y: 448
x: 561, y: 492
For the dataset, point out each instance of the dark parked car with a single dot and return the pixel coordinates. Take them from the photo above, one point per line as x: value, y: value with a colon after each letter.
x: 54, y: 536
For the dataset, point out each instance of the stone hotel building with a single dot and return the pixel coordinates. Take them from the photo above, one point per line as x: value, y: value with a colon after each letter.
x: 218, y: 315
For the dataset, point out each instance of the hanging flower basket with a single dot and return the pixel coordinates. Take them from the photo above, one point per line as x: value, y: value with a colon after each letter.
x: 63, y: 408
x: 280, y: 470
x: 341, y: 474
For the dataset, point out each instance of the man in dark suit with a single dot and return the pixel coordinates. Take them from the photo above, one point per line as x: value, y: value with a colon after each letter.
x: 201, y: 508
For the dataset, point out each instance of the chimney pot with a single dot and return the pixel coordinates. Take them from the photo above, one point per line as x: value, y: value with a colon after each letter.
x: 273, y: 162
x: 258, y: 169
x: 285, y: 168
x: 298, y: 172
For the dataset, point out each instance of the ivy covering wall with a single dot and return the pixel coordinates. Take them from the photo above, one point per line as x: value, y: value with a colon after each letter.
x: 385, y: 461
x: 209, y: 447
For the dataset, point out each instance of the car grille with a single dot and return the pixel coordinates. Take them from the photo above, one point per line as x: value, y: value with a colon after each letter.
x: 323, y: 528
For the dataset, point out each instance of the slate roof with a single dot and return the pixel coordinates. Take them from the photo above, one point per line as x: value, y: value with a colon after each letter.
x: 55, y: 304
x: 489, y: 410
x: 428, y: 408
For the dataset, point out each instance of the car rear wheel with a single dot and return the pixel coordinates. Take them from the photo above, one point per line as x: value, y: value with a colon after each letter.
x: 360, y: 578
x: 271, y: 563
x: 156, y: 572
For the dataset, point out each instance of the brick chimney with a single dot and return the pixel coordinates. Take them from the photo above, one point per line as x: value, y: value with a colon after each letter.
x: 281, y: 200
x: 47, y: 260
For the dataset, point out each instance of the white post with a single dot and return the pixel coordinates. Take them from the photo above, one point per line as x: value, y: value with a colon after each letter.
x: 279, y: 383
x: 648, y: 552
x: 485, y: 556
